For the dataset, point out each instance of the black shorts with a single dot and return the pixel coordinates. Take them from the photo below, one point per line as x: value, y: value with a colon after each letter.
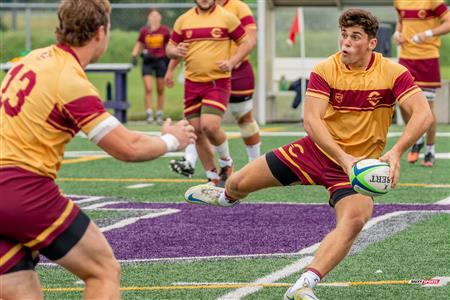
x: 59, y: 247
x: 154, y: 66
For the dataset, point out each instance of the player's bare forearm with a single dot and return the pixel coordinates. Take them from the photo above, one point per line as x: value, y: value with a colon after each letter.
x: 316, y: 129
x: 171, y: 51
x: 130, y: 146
x: 242, y: 51
x: 444, y: 27
x: 173, y: 64
x: 421, y: 119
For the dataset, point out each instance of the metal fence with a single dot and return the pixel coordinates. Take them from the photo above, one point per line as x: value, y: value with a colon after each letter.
x: 30, y: 17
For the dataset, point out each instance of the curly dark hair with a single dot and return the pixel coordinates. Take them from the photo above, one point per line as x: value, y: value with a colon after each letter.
x: 360, y: 17
x: 79, y: 20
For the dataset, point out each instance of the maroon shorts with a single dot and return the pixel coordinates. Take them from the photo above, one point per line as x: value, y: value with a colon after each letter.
x: 426, y: 72
x: 242, y: 83
x: 206, y: 97
x: 309, y: 166
x: 33, y: 213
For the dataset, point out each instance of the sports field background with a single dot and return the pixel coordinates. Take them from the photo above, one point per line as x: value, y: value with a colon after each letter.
x: 320, y: 36
x: 404, y: 246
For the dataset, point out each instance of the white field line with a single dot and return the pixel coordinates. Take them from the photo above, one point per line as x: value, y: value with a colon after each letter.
x: 98, y: 205
x: 272, y: 277
x: 87, y: 200
x: 140, y: 185
x: 133, y: 220
x: 445, y: 201
x: 298, y: 265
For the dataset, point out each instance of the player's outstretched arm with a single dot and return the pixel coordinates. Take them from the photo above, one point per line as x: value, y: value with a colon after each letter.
x: 314, y: 123
x: 421, y: 119
x: 131, y: 146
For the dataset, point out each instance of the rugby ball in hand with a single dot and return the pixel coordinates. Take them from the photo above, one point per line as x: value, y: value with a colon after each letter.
x: 370, y: 177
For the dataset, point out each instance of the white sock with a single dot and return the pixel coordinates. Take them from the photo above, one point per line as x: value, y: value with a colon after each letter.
x: 430, y: 149
x: 223, y: 201
x: 225, y: 162
x: 149, y: 112
x: 253, y: 151
x: 421, y: 140
x: 191, y: 155
x: 223, y: 151
x: 308, y: 279
x: 212, y: 175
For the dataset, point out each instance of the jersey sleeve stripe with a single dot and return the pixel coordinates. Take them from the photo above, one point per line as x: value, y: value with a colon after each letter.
x: 440, y: 10
x: 402, y: 84
x: 176, y: 38
x: 318, y: 84
x: 408, y: 93
x: 61, y: 121
x: 84, y: 108
x: 247, y: 21
x: 238, y: 34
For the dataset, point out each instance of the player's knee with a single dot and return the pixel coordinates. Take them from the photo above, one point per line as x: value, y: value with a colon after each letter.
x: 210, y: 128
x: 107, y: 270
x: 249, y: 129
x: 354, y: 225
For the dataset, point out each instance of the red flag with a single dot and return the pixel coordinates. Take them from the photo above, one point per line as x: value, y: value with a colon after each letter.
x: 295, y: 28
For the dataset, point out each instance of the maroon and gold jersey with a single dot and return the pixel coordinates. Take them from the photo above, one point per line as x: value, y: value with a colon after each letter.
x: 209, y: 37
x: 243, y: 12
x: 46, y: 99
x: 155, y: 41
x: 360, y: 102
x: 416, y: 17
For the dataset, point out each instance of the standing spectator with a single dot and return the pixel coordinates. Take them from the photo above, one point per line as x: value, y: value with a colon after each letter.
x: 152, y: 42
x: 202, y: 37
x: 420, y: 23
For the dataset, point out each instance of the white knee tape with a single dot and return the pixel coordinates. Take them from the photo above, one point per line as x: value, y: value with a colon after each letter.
x: 430, y: 94
x: 240, y: 109
x: 249, y: 129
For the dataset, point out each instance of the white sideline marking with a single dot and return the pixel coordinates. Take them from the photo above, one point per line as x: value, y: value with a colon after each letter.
x: 98, y: 205
x: 445, y: 201
x: 89, y: 199
x: 298, y: 265
x: 140, y: 185
x: 286, y: 271
x: 133, y: 220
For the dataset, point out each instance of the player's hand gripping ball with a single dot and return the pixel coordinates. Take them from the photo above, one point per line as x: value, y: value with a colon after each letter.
x: 370, y: 177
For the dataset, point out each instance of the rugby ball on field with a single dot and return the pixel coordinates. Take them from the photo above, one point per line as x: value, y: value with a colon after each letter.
x: 370, y: 177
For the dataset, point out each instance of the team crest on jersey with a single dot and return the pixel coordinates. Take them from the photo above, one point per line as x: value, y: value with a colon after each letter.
x: 216, y: 32
x: 422, y: 14
x: 189, y: 34
x: 374, y: 98
x: 339, y: 97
